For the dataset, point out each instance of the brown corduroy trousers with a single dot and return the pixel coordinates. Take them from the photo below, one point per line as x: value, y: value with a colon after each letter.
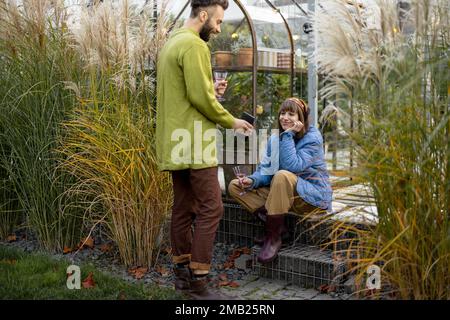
x: 280, y: 198
x: 198, y: 201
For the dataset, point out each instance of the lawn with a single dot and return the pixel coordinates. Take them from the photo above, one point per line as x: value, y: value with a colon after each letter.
x: 38, y: 276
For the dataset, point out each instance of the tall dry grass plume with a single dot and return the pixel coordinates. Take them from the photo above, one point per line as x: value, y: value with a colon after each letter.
x: 391, y: 60
x: 109, y: 142
x: 35, y: 59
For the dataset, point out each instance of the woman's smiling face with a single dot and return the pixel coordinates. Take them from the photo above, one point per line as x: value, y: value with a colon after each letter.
x: 287, y: 119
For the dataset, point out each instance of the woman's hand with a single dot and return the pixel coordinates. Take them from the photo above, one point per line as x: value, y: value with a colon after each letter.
x: 297, y: 127
x: 246, y: 182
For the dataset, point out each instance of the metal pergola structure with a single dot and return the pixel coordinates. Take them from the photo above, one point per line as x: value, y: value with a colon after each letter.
x: 246, y: 8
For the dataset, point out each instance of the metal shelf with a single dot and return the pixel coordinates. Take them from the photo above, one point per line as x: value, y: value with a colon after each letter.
x: 260, y: 69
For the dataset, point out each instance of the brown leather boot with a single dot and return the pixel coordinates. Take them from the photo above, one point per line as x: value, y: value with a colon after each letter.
x: 272, y: 242
x: 195, y: 288
x: 182, y: 278
x: 199, y: 291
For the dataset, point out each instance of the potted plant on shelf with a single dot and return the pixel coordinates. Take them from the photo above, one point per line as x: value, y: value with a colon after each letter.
x: 222, y: 55
x: 242, y: 47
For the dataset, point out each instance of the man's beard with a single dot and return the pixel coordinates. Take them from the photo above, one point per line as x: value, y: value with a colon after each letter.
x: 205, y: 32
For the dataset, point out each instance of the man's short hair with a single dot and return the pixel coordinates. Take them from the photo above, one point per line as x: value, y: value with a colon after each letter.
x: 198, y: 5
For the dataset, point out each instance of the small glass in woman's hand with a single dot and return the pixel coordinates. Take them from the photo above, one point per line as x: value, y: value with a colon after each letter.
x: 240, y: 175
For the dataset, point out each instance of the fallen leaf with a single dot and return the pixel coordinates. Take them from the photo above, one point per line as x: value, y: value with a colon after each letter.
x: 11, y: 262
x: 88, y: 242
x: 11, y: 238
x: 138, y: 272
x: 89, y: 281
x: 323, y: 288
x: 223, y: 283
x: 228, y: 265
x: 223, y: 277
x: 67, y: 250
x: 233, y: 284
x: 236, y: 253
x: 106, y: 247
x: 122, y: 296
x: 246, y: 250
x: 163, y: 271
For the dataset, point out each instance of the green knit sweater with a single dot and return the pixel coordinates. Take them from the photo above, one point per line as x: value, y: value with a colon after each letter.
x: 186, y: 104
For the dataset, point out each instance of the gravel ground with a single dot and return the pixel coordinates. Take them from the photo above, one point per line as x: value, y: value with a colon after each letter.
x: 239, y: 283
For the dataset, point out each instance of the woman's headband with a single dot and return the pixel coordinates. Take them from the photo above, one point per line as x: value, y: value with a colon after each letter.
x: 301, y: 103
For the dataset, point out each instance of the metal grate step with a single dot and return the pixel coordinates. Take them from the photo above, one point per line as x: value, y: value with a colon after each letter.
x: 302, y: 265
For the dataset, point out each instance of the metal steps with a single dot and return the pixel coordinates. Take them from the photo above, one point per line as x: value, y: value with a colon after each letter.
x: 304, y: 260
x: 302, y: 265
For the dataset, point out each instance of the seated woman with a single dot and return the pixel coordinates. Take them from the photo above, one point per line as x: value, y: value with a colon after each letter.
x: 299, y: 183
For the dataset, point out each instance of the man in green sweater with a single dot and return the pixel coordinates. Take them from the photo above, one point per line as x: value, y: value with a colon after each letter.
x: 186, y: 109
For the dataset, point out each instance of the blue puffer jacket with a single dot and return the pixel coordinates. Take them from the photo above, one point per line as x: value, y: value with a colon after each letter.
x: 305, y: 158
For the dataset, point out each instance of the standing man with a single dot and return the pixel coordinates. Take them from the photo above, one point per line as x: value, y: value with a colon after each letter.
x: 186, y: 101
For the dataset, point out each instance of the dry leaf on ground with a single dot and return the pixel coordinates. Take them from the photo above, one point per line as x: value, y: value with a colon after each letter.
x: 89, y: 281
x: 325, y: 288
x: 67, y: 250
x: 106, y: 247
x: 223, y: 277
x: 138, y: 272
x: 86, y: 243
x: 236, y: 253
x: 162, y: 270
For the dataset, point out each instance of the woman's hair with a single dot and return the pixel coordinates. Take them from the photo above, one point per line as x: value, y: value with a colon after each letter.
x: 300, y: 107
